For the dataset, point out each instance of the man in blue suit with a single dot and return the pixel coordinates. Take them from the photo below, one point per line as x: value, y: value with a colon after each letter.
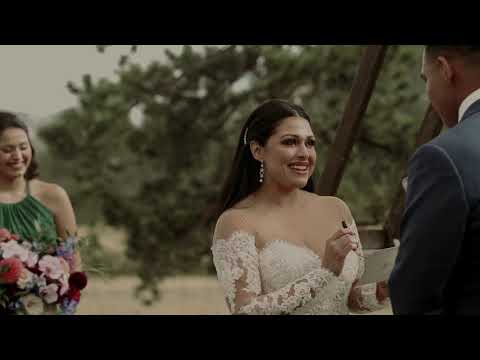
x: 437, y: 270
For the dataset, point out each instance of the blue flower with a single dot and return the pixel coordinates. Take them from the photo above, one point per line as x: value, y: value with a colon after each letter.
x: 68, y: 307
x: 66, y: 248
x: 14, y: 306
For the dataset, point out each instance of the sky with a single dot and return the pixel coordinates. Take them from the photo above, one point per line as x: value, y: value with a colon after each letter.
x: 33, y: 78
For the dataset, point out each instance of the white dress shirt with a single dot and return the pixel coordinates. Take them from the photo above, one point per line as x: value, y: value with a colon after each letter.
x: 467, y: 102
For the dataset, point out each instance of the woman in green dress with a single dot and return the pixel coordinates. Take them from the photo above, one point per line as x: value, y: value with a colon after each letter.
x: 24, y: 199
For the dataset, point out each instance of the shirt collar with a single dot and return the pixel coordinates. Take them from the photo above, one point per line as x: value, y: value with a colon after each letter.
x: 467, y: 102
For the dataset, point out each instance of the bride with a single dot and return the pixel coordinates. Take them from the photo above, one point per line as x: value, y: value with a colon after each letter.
x: 279, y: 248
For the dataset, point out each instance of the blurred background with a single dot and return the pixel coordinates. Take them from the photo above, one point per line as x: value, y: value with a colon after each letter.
x: 142, y: 138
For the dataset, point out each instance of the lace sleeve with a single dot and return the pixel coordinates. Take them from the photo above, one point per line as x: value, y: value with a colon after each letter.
x: 363, y: 298
x: 237, y: 265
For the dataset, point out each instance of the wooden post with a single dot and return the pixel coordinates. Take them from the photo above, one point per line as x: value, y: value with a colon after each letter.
x: 362, y: 88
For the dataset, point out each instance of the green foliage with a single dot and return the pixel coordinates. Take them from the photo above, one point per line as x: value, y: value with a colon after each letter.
x: 159, y: 176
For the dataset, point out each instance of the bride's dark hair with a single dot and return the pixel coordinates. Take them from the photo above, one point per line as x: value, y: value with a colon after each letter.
x: 243, y: 177
x: 9, y: 120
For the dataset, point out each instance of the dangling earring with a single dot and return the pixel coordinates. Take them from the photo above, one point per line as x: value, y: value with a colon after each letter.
x: 262, y: 172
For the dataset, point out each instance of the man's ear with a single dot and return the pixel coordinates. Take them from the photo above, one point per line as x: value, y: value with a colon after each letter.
x: 257, y: 150
x: 447, y: 69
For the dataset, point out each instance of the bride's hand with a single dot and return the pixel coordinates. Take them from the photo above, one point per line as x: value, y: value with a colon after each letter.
x: 382, y: 291
x: 337, y: 248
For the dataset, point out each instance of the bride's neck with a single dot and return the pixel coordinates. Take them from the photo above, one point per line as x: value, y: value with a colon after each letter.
x: 15, y: 185
x: 277, y: 196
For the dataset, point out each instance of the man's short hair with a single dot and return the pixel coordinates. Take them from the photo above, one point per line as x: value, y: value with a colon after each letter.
x: 470, y: 53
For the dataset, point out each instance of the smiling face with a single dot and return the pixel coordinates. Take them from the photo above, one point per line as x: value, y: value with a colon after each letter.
x: 15, y: 153
x: 289, y: 155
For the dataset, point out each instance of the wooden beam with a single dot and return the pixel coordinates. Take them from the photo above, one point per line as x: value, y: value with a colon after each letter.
x: 357, y: 104
x: 430, y: 128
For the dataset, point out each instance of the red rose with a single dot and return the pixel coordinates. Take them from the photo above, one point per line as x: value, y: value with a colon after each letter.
x: 74, y: 294
x: 78, y: 280
x: 10, y: 270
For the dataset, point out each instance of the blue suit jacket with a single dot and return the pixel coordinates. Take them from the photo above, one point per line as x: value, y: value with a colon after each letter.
x: 437, y: 270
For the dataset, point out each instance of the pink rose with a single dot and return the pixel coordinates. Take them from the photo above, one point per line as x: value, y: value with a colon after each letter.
x: 13, y: 249
x: 5, y: 235
x: 32, y: 259
x: 51, y: 266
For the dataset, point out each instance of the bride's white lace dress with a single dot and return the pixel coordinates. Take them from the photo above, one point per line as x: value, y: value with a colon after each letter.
x: 285, y: 278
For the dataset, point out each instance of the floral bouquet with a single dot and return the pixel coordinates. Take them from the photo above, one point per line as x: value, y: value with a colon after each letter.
x: 36, y: 275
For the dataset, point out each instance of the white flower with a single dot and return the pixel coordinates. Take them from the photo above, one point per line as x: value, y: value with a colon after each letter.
x: 51, y: 266
x: 27, y: 245
x: 32, y: 259
x: 49, y: 293
x: 26, y: 279
x: 13, y: 249
x: 33, y: 304
x: 39, y: 281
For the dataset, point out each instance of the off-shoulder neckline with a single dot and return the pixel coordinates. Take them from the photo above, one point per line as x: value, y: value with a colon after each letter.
x: 265, y: 248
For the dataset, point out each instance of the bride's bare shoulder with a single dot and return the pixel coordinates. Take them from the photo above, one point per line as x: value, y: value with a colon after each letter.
x: 332, y: 202
x: 236, y: 219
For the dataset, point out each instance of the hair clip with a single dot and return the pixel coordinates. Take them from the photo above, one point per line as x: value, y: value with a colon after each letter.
x: 245, y: 137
